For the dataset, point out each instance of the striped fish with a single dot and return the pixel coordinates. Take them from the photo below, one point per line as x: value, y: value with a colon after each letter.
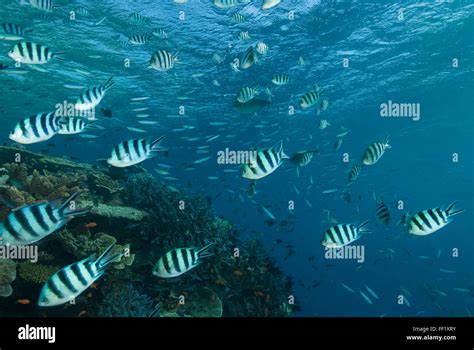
x: 136, y: 18
x: 247, y: 93
x: 244, y: 35
x: 31, y: 223
x: 178, y: 261
x: 261, y: 48
x: 248, y: 59
x: 10, y: 31
x: 82, y: 11
x: 225, y: 4
x: 281, y: 79
x: 139, y: 39
x: 265, y: 162
x: 303, y: 158
x: 343, y: 234
x: 162, y: 60
x: 69, y: 282
x: 37, y: 128
x: 381, y: 212
x: 90, y: 98
x: 237, y: 18
x: 31, y: 53
x: 428, y: 221
x: 73, y: 125
x: 132, y: 152
x: 374, y: 152
x: 160, y: 33
x: 309, y: 99
x: 44, y: 5
x: 354, y: 173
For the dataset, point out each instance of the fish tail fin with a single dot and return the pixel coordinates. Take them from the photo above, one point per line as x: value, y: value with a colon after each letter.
x: 154, y: 145
x: 108, y: 84
x: 106, y: 258
x: 387, y: 140
x: 68, y: 209
x: 452, y: 210
x: 279, y: 148
x: 361, y: 228
x: 56, y: 54
x: 203, y: 252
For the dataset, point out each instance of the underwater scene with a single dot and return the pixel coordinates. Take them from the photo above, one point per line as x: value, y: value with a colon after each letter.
x: 236, y: 158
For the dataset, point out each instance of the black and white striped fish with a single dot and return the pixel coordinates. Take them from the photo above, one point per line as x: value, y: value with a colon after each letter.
x: 11, y: 31
x: 82, y: 11
x: 303, y: 158
x: 431, y: 220
x: 247, y: 93
x: 136, y: 18
x: 31, y: 223
x: 31, y: 53
x: 311, y: 98
x: 160, y: 33
x: 261, y: 48
x: 381, y: 212
x: 178, y: 261
x: 237, y: 18
x: 225, y: 4
x: 343, y: 234
x: 354, y: 173
x: 281, y: 79
x: 90, y: 98
x: 69, y: 282
x: 248, y: 59
x: 44, y: 5
x: 374, y: 152
x: 37, y: 128
x: 244, y: 36
x: 139, y: 39
x: 132, y: 152
x: 74, y: 125
x: 265, y: 162
x: 162, y: 60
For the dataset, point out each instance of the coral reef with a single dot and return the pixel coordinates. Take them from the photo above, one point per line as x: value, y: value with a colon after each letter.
x: 145, y: 218
x: 127, y: 258
x: 104, y: 184
x: 200, y: 302
x: 125, y: 301
x: 36, y: 273
x: 7, y: 276
x: 115, y: 211
x: 84, y: 245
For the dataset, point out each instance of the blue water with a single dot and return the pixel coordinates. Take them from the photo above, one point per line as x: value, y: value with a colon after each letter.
x: 405, y: 60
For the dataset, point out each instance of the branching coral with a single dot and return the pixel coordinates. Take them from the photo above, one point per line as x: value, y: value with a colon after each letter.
x: 125, y: 301
x: 36, y: 273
